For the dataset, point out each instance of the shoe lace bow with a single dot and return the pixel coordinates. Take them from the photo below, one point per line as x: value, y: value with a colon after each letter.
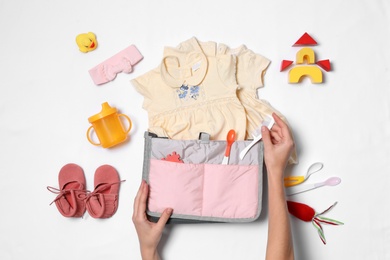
x: 99, y: 190
x: 62, y: 193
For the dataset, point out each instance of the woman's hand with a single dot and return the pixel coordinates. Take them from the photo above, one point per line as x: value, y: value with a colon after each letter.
x: 149, y: 233
x: 278, y: 144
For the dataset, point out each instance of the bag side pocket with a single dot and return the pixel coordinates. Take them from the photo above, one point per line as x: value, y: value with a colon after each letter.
x: 176, y: 185
x: 231, y: 191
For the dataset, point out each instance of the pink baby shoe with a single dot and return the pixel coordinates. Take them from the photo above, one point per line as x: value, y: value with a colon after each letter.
x: 103, y: 201
x: 72, y: 193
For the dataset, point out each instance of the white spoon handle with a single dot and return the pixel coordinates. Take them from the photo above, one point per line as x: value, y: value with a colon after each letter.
x: 249, y: 146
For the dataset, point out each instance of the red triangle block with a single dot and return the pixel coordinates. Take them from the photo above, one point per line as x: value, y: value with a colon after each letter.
x: 305, y: 39
x: 285, y: 64
x: 325, y: 64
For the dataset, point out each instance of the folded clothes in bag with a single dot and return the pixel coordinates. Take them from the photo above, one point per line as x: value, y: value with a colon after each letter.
x: 188, y: 176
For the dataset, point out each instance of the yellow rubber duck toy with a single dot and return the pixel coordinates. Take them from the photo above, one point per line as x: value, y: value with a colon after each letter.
x: 86, y: 42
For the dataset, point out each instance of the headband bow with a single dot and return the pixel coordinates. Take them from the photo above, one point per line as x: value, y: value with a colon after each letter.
x: 120, y: 62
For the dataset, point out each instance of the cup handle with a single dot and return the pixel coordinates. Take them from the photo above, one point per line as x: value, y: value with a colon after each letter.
x: 129, y: 120
x: 89, y: 138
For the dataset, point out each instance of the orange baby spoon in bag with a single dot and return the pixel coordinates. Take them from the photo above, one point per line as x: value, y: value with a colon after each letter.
x: 108, y: 127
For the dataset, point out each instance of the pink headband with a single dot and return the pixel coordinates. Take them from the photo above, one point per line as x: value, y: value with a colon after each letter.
x: 120, y: 62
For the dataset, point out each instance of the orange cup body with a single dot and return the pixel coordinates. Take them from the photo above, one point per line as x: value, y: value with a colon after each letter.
x: 108, y: 128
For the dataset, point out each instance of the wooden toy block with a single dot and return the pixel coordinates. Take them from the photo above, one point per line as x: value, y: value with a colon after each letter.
x: 325, y: 64
x: 285, y: 64
x: 306, y: 54
x: 305, y: 39
x: 297, y: 73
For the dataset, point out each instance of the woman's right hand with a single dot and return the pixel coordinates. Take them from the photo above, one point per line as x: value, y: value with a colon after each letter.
x: 278, y: 144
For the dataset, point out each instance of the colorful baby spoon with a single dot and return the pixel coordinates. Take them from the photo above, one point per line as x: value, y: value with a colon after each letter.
x: 230, y: 138
x: 332, y: 181
x: 295, y: 180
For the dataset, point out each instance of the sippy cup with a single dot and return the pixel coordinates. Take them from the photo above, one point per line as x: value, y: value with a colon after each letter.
x: 108, y: 127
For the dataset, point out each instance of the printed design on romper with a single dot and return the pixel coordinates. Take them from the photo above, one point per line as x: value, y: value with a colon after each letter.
x: 188, y: 92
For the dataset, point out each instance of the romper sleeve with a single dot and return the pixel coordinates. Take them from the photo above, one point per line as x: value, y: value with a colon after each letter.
x: 251, y: 69
x: 141, y: 84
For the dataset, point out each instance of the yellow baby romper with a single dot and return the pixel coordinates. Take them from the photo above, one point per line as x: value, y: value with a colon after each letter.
x: 250, y: 68
x: 192, y: 92
x: 250, y: 71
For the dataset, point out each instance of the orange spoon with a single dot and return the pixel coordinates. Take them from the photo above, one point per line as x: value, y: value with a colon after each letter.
x: 230, y: 138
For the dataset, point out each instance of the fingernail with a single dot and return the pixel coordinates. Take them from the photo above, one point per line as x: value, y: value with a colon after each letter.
x: 263, y: 128
x: 169, y: 211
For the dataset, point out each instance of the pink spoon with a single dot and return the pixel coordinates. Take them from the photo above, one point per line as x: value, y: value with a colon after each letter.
x: 332, y: 181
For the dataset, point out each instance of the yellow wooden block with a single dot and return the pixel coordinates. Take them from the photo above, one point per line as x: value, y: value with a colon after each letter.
x: 306, y: 54
x: 313, y: 72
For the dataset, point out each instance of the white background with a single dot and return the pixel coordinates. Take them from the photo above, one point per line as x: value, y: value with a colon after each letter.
x: 47, y: 96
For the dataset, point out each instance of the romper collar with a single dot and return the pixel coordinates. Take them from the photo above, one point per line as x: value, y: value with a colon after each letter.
x: 183, y: 68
